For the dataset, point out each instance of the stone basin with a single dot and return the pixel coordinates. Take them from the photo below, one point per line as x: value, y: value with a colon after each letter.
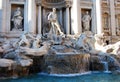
x: 66, y: 63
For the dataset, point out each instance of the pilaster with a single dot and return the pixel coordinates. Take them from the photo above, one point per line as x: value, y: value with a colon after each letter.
x: 3, y: 10
x: 112, y: 12
x: 1, y: 13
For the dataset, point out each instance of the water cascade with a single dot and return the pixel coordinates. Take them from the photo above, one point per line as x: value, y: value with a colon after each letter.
x: 106, y: 69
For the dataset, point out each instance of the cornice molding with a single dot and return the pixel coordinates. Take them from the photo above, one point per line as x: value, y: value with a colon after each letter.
x: 54, y: 3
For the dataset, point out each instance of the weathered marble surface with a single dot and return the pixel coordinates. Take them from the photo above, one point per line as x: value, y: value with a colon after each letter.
x: 6, y: 63
x: 66, y: 63
x: 71, y: 54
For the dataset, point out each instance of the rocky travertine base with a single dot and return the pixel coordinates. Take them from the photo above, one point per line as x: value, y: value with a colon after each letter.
x: 11, y: 68
x: 95, y: 64
x: 66, y: 63
x: 57, y: 55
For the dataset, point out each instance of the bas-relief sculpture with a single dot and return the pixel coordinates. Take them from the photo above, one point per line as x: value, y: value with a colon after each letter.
x: 86, y: 21
x: 17, y: 20
x: 101, y: 46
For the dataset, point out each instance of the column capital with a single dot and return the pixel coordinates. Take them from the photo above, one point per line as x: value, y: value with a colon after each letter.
x: 68, y: 3
x: 38, y: 2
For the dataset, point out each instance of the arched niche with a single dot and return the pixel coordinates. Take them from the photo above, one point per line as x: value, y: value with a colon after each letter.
x: 13, y: 10
x: 83, y: 12
x: 61, y: 7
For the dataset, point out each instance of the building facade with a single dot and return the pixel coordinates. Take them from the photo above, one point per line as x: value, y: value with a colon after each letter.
x: 105, y: 16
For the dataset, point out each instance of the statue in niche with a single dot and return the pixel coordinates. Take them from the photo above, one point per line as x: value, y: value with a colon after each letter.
x: 55, y: 26
x: 86, y: 21
x: 17, y: 19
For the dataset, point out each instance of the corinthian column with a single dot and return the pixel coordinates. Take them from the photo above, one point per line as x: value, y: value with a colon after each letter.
x: 39, y: 19
x: 30, y: 16
x: 67, y: 21
x: 26, y: 16
x: 61, y: 17
x: 98, y: 17
x: 76, y: 17
x: 1, y: 4
x: 3, y: 16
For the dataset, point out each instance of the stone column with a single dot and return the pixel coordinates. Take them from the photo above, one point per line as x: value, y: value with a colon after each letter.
x: 34, y: 16
x: 39, y: 20
x: 31, y: 16
x: 61, y: 16
x: 76, y: 27
x: 93, y: 16
x: 98, y: 17
x: 112, y: 12
x: 3, y: 15
x: 1, y: 7
x: 67, y: 21
x: 26, y: 16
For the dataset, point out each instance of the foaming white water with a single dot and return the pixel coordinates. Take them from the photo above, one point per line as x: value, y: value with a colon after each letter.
x: 107, y: 72
x: 73, y: 75
x: 66, y: 75
x: 105, y: 66
x: 101, y: 72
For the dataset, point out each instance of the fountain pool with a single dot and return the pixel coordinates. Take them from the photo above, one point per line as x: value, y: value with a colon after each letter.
x: 92, y: 77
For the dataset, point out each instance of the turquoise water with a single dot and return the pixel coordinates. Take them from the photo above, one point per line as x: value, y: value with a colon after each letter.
x: 96, y: 77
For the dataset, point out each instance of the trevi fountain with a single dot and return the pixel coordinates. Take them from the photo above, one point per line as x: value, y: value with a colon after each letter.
x: 59, y: 40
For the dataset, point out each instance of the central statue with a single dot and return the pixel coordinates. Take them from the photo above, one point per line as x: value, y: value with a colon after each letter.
x: 55, y: 26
